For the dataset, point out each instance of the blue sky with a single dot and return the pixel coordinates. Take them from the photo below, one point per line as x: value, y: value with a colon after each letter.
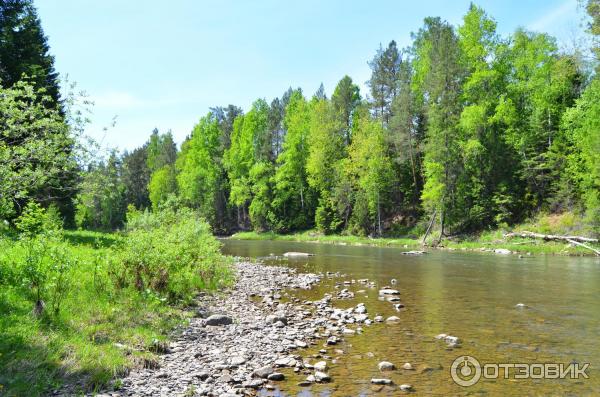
x: 163, y: 64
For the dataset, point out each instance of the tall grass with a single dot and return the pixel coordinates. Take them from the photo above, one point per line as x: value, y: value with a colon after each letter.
x: 71, y: 310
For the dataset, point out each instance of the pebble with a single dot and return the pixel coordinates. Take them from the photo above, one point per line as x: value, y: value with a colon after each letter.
x: 253, y: 328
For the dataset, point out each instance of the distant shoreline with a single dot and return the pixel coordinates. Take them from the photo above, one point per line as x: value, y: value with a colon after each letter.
x: 482, y: 243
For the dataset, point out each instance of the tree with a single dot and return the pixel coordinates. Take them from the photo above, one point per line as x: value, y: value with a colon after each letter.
x: 136, y: 177
x: 542, y: 85
x: 582, y: 126
x: 163, y: 183
x: 24, y: 50
x: 404, y: 137
x: 320, y: 93
x: 593, y: 10
x: 325, y: 151
x: 371, y: 171
x: 439, y: 76
x: 292, y: 199
x: 225, y: 116
x: 161, y: 150
x: 385, y: 68
x: 200, y: 169
x: 36, y: 157
x: 101, y: 203
x: 250, y: 144
x: 345, y: 98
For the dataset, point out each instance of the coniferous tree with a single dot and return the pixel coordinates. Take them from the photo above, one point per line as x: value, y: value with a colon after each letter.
x: 24, y: 49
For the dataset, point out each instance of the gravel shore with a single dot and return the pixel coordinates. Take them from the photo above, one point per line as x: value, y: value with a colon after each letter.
x: 241, y: 338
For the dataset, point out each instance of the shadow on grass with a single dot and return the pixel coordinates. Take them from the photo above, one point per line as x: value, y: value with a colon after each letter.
x: 91, y: 239
x: 31, y: 362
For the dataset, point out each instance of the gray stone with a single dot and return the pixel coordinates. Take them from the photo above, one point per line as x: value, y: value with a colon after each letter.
x: 276, y: 376
x: 219, y: 319
x: 263, y: 372
x: 322, y: 377
x: 386, y: 366
x: 321, y: 366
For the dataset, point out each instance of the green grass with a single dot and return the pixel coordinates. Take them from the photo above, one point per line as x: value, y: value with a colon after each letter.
x: 484, y: 241
x: 100, y: 332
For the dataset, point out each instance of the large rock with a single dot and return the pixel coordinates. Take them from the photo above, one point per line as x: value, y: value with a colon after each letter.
x: 502, y: 251
x: 386, y: 366
x: 218, y: 320
x: 392, y: 319
x: 388, y: 291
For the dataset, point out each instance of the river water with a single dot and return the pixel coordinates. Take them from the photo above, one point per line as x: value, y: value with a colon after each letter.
x: 469, y: 295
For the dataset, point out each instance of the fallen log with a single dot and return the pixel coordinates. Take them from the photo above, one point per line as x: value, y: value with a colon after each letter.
x: 575, y: 240
x: 551, y: 237
x: 585, y: 246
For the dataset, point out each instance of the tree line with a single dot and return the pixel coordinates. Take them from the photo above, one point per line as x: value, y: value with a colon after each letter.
x: 464, y: 129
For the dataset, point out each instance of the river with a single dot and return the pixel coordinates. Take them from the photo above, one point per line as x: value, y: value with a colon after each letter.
x: 469, y: 295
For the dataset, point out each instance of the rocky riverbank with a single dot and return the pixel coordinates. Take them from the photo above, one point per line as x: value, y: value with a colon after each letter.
x: 240, y: 339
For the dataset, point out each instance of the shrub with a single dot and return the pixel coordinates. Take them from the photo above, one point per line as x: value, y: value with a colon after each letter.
x: 170, y: 254
x: 39, y: 262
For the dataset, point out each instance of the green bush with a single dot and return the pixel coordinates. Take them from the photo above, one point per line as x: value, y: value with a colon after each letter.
x: 170, y: 254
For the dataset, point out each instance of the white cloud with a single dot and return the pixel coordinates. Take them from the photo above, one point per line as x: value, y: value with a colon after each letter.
x: 561, y: 14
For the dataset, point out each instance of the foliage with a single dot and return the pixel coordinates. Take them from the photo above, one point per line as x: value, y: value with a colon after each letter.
x: 173, y: 256
x: 35, y: 150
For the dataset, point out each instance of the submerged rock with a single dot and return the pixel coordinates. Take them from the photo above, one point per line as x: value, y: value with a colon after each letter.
x: 296, y: 254
x: 381, y: 381
x: 388, y: 291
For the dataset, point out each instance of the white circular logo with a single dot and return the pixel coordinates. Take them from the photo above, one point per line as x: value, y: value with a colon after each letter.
x: 465, y: 371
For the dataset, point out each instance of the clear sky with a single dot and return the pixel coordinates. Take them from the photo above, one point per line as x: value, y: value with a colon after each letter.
x: 163, y: 63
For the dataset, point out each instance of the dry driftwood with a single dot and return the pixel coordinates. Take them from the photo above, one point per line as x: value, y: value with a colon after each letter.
x: 576, y: 240
x: 551, y: 237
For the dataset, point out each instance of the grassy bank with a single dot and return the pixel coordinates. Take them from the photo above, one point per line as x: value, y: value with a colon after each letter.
x: 489, y: 240
x: 103, y: 314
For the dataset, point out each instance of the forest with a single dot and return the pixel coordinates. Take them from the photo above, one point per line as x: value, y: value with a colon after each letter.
x: 465, y: 130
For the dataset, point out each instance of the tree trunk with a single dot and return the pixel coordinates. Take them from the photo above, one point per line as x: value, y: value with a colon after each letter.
x: 429, y: 227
